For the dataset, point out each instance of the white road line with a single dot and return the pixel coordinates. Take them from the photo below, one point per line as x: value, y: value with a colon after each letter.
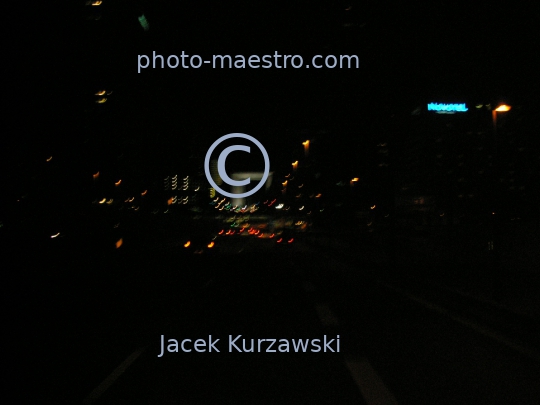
x: 326, y: 315
x: 101, y: 388
x: 370, y: 384
x: 533, y: 354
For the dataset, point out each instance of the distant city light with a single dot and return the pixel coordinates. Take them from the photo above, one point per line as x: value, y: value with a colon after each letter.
x: 503, y: 107
x: 49, y: 159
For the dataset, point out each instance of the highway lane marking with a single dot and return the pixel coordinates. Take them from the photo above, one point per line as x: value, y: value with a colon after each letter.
x: 531, y: 353
x: 107, y: 382
x: 326, y: 315
x: 483, y: 300
x: 370, y: 384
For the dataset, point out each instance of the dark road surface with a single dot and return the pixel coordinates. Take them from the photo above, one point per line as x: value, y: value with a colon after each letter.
x: 87, y: 329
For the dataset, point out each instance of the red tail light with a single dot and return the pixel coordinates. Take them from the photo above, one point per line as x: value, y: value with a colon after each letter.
x: 279, y: 240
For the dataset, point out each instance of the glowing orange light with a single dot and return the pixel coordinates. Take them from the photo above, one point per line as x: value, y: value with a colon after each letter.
x: 211, y: 245
x: 119, y: 243
x: 355, y: 179
x: 279, y: 240
x: 49, y: 159
x: 271, y: 236
x: 144, y: 192
x: 95, y: 176
x: 101, y: 100
x: 221, y: 232
x: 100, y: 93
x: 187, y: 244
x: 118, y: 182
x: 96, y: 3
x: 291, y: 240
x: 503, y: 107
x: 306, y: 143
x: 170, y: 201
x: 373, y: 207
x: 318, y: 195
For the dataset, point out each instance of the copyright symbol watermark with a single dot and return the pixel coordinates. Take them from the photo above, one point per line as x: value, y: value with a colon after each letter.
x: 221, y: 165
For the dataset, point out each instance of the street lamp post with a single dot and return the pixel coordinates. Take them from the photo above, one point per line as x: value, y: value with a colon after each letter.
x: 493, y: 243
x: 501, y: 108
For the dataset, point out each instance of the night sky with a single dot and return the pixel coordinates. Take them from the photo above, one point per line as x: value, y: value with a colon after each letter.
x: 409, y: 55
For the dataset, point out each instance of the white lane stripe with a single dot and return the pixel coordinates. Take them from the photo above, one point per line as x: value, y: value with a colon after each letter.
x: 326, y: 315
x: 531, y: 353
x: 101, y: 388
x: 370, y: 384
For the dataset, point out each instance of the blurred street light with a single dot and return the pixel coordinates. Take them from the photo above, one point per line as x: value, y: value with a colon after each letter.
x: 306, y: 147
x: 501, y: 108
x: 144, y: 22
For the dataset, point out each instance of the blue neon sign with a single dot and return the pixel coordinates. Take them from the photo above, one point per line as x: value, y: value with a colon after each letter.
x: 450, y: 108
